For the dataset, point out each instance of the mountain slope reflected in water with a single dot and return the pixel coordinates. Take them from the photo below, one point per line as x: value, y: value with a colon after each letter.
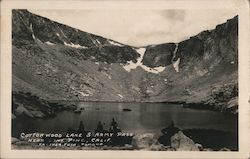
x: 143, y: 118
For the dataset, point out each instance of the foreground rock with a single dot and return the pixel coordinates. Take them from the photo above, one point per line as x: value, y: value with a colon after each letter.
x: 181, y: 142
x: 148, y: 141
x: 14, y: 140
x: 173, y: 139
x: 232, y: 105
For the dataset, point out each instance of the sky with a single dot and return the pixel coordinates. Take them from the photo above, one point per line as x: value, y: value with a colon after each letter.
x: 140, y: 27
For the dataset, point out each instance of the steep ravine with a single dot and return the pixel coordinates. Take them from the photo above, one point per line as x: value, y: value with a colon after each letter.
x: 52, y: 61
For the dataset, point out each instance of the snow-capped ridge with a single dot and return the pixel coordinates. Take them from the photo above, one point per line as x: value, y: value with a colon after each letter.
x: 131, y: 65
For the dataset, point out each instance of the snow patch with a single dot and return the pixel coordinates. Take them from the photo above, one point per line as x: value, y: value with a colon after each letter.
x: 120, y: 95
x: 175, y: 51
x: 109, y: 77
x: 176, y: 65
x: 97, y: 63
x: 57, y: 35
x: 63, y: 33
x: 232, y: 62
x: 115, y: 43
x: 33, y: 36
x: 153, y: 70
x: 49, y: 43
x: 177, y: 62
x: 98, y: 42
x: 84, y: 94
x: 131, y: 65
x: 31, y: 28
x: 74, y: 45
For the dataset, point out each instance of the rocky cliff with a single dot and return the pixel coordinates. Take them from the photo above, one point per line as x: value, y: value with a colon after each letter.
x: 206, y: 67
x: 53, y: 61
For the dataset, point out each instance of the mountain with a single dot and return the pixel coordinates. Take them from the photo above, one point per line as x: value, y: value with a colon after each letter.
x: 52, y: 61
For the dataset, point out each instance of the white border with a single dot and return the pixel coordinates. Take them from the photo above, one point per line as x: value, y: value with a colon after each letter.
x: 6, y: 6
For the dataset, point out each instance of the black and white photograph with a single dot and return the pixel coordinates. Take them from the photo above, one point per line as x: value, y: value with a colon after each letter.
x: 172, y: 87
x: 125, y: 80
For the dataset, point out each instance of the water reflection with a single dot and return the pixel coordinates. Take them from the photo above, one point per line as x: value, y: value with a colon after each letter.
x: 143, y: 117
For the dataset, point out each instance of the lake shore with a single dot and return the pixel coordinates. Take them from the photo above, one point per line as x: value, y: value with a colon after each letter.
x: 185, y: 140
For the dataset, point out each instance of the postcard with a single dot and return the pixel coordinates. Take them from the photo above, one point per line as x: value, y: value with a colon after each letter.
x: 124, y: 79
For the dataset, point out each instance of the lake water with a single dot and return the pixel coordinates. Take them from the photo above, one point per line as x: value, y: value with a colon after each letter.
x: 143, y: 118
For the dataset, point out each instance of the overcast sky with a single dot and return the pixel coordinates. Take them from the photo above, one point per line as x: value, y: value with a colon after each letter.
x: 140, y: 27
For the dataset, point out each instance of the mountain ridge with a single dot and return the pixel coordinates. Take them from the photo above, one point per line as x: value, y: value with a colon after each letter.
x: 56, y: 62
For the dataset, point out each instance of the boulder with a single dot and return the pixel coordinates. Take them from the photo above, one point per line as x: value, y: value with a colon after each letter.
x: 232, y: 103
x: 13, y: 116
x: 181, y: 142
x: 224, y: 149
x: 37, y: 114
x: 145, y: 141
x: 22, y: 110
x: 159, y: 147
x: 200, y: 147
x: 14, y: 140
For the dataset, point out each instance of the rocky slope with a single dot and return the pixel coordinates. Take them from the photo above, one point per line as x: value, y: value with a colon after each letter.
x: 207, y: 67
x: 53, y: 61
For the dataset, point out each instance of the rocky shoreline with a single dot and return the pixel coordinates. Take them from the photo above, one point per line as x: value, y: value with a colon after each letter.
x: 26, y: 104
x: 221, y: 99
